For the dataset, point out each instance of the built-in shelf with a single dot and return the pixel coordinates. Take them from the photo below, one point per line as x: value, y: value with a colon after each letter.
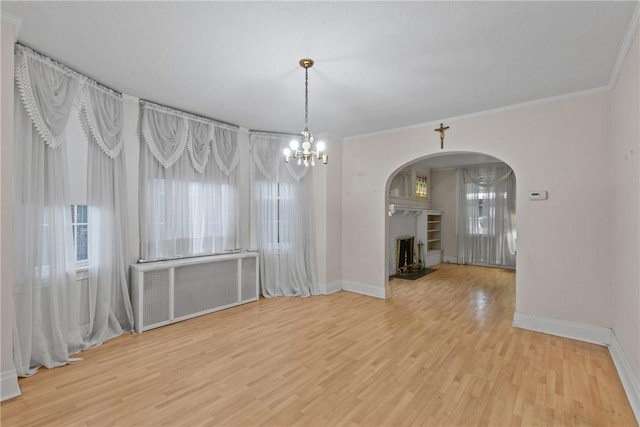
x: 433, y: 237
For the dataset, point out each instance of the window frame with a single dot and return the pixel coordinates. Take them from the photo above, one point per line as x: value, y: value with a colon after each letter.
x: 81, y: 264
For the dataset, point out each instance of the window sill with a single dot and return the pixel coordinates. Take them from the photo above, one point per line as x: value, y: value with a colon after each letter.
x: 82, y: 273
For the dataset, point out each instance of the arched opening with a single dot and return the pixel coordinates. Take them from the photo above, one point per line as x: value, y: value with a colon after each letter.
x: 451, y: 208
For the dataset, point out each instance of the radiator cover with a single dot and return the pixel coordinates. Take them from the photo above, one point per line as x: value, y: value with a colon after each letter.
x: 165, y: 292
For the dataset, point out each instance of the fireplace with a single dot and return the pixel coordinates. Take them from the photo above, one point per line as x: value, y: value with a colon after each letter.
x: 405, y: 256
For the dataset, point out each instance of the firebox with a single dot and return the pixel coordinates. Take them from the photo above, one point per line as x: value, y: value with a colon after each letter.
x: 405, y: 253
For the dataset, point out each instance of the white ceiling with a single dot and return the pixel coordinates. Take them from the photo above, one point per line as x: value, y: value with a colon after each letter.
x: 379, y: 65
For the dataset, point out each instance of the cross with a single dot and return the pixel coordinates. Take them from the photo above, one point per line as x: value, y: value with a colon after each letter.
x: 441, y: 129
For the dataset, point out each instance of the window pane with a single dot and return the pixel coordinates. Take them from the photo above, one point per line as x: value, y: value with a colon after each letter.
x: 79, y: 226
x: 82, y: 243
x: 82, y: 214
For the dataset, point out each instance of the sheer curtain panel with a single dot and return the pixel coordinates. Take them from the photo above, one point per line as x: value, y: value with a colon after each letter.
x: 47, y: 326
x: 188, y: 202
x: 486, y: 219
x: 282, y: 210
x: 110, y: 311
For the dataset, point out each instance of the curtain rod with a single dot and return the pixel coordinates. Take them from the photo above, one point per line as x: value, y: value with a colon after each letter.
x: 63, y: 65
x: 219, y: 122
x: 272, y: 133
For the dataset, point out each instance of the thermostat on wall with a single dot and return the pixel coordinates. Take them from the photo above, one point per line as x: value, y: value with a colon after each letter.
x: 537, y: 195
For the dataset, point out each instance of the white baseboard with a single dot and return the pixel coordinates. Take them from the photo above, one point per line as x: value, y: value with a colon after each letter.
x: 331, y: 287
x: 9, y: 387
x: 364, y: 289
x: 591, y: 334
x: 629, y: 381
x: 563, y: 328
x: 450, y: 259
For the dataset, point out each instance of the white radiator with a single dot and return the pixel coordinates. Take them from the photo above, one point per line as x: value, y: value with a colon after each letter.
x: 165, y: 292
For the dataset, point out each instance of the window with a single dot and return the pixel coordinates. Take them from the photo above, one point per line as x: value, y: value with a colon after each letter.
x: 277, y: 233
x: 188, y: 202
x: 481, y: 209
x: 208, y: 213
x: 191, y: 218
x: 422, y: 186
x: 80, y: 225
x: 478, y: 209
x: 284, y: 213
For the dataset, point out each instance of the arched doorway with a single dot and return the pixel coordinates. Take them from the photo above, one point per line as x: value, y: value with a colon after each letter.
x: 454, y: 207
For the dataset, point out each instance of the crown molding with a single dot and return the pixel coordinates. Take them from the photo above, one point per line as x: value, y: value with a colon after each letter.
x: 487, y: 112
x: 632, y: 30
x: 12, y: 19
x: 626, y: 46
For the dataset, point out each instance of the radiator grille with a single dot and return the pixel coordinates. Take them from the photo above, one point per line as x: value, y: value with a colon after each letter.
x: 164, y: 292
x: 156, y: 297
x: 249, y: 279
x: 205, y: 286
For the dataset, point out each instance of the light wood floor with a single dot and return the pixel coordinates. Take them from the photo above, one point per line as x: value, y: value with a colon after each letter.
x: 441, y: 351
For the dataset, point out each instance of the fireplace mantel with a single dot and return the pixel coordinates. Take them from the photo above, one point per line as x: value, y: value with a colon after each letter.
x: 406, y: 210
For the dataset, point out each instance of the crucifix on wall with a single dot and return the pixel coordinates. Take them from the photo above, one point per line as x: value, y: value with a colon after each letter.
x: 441, y: 129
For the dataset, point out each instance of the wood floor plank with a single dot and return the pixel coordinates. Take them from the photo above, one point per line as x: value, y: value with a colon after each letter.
x: 440, y: 352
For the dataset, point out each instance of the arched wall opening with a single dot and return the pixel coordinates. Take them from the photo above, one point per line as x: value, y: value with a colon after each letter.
x: 431, y: 183
x: 558, y: 147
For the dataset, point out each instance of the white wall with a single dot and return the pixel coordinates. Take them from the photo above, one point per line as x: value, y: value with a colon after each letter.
x: 131, y: 151
x: 8, y: 379
x: 563, y: 243
x: 327, y: 200
x: 625, y: 208
x: 444, y: 191
x: 244, y: 185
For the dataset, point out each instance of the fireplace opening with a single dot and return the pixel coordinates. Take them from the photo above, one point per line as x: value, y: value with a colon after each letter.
x: 405, y: 255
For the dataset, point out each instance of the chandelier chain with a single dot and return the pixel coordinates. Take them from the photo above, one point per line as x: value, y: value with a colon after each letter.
x: 306, y: 99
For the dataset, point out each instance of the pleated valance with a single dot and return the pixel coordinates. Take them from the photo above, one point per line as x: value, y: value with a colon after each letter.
x: 266, y: 150
x: 488, y: 175
x: 49, y: 90
x: 168, y: 133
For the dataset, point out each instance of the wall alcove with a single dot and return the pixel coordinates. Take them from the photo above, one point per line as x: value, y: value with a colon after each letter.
x: 423, y: 202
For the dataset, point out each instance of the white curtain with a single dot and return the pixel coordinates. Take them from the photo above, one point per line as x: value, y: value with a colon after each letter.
x: 110, y: 312
x: 47, y: 326
x: 283, y: 218
x: 188, y: 202
x: 486, y: 219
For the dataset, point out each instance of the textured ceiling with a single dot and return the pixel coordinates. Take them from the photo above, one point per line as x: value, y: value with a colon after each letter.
x: 379, y: 65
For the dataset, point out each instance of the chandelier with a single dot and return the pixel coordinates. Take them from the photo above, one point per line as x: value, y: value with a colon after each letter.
x: 306, y: 156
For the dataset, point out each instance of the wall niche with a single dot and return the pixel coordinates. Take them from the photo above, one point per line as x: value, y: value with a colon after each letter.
x: 411, y: 186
